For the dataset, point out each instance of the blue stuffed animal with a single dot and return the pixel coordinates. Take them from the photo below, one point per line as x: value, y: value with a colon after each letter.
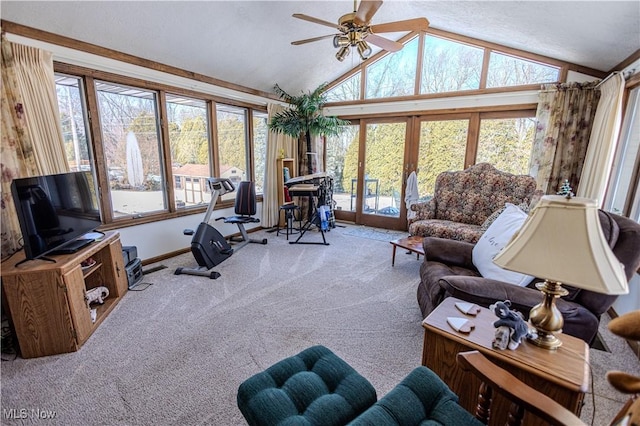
x: 512, y: 319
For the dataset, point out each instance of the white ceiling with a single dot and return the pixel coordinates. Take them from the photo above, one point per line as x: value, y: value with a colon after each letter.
x: 248, y: 42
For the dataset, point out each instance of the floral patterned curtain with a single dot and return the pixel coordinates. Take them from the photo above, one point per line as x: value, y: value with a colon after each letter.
x: 564, y: 120
x: 31, y: 142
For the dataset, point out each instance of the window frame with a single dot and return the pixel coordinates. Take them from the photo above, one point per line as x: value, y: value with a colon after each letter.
x: 488, y: 47
x: 88, y: 77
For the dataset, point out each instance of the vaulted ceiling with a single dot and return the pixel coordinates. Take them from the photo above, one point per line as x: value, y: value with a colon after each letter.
x: 249, y: 42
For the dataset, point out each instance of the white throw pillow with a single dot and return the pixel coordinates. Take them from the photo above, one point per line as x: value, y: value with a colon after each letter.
x: 493, y: 240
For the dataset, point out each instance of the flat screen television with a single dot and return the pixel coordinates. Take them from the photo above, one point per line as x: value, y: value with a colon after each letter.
x: 55, y: 210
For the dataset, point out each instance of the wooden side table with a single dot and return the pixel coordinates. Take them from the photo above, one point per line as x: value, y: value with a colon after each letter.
x: 563, y: 374
x: 413, y: 244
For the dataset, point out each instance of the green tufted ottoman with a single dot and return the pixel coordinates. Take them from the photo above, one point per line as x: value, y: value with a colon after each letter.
x: 315, y: 387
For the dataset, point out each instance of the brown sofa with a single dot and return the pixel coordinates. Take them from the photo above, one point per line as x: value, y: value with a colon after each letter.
x: 463, y: 200
x: 448, y: 270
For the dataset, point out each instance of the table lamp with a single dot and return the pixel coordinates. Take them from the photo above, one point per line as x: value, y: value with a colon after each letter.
x: 562, y: 242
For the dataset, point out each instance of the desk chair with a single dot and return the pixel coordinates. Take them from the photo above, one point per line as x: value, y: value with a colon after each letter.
x: 317, y: 387
x: 245, y: 208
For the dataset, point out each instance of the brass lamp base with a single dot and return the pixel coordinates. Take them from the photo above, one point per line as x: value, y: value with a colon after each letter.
x: 546, y: 317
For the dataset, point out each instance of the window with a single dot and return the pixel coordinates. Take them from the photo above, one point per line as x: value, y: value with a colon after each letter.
x: 348, y: 90
x: 232, y: 144
x: 260, y: 133
x: 342, y: 165
x: 442, y: 148
x: 623, y: 195
x: 137, y: 168
x: 506, y: 143
x: 507, y: 70
x: 73, y: 120
x: 450, y: 66
x: 383, y: 166
x: 394, y: 74
x: 132, y: 154
x: 190, y: 148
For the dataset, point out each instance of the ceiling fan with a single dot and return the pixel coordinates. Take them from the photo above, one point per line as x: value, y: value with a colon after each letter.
x: 356, y: 31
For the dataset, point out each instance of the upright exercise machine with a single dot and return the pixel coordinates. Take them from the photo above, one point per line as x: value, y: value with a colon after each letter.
x: 208, y: 246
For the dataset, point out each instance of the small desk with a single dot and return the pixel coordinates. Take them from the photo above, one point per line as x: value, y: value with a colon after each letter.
x: 563, y: 374
x: 413, y: 244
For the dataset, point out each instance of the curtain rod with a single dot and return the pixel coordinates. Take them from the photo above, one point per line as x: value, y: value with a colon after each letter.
x: 607, y: 78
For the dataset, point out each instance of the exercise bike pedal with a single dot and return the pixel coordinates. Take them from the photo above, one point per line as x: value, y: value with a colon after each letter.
x: 188, y: 232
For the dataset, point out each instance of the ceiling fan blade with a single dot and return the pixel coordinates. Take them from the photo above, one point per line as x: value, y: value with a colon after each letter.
x: 309, y: 40
x: 386, y: 44
x: 318, y: 21
x: 416, y: 24
x: 366, y: 10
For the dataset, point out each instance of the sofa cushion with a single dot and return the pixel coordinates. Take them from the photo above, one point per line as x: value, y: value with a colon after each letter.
x: 487, y: 223
x: 493, y: 241
x: 446, y: 229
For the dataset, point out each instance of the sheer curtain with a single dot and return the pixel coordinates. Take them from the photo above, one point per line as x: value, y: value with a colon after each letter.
x: 604, y: 136
x: 278, y: 146
x: 563, y: 125
x: 31, y: 142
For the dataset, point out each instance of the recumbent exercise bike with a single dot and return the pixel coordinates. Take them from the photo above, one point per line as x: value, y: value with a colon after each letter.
x: 208, y: 246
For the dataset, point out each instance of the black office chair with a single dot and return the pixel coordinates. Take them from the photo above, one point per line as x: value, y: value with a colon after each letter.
x: 245, y: 208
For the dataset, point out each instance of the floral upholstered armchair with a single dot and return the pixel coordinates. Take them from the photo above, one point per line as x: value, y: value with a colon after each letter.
x: 466, y: 202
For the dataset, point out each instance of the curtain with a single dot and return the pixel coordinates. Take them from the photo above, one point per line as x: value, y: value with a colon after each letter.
x: 278, y: 146
x: 31, y: 142
x: 604, y: 136
x: 563, y: 124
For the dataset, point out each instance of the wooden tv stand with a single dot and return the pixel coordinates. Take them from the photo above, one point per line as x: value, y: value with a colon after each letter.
x: 46, y: 300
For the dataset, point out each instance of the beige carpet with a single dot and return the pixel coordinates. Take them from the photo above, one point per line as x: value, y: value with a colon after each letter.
x: 176, y: 352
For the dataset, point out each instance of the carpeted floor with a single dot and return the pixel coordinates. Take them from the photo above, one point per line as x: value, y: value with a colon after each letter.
x: 176, y: 352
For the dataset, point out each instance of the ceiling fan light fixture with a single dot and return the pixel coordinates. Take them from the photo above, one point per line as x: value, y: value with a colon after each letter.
x: 342, y: 53
x: 363, y: 49
x: 340, y: 41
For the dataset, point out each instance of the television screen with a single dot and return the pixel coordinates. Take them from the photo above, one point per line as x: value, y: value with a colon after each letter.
x: 55, y: 210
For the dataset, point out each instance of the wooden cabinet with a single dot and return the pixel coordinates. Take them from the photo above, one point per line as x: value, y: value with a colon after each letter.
x: 47, y: 301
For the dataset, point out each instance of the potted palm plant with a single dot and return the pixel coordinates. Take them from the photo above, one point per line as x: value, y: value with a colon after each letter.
x: 304, y: 119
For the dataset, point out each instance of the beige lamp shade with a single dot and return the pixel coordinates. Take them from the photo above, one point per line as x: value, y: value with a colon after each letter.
x: 562, y: 241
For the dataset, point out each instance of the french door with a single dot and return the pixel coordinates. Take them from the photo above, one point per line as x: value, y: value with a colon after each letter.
x: 368, y: 165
